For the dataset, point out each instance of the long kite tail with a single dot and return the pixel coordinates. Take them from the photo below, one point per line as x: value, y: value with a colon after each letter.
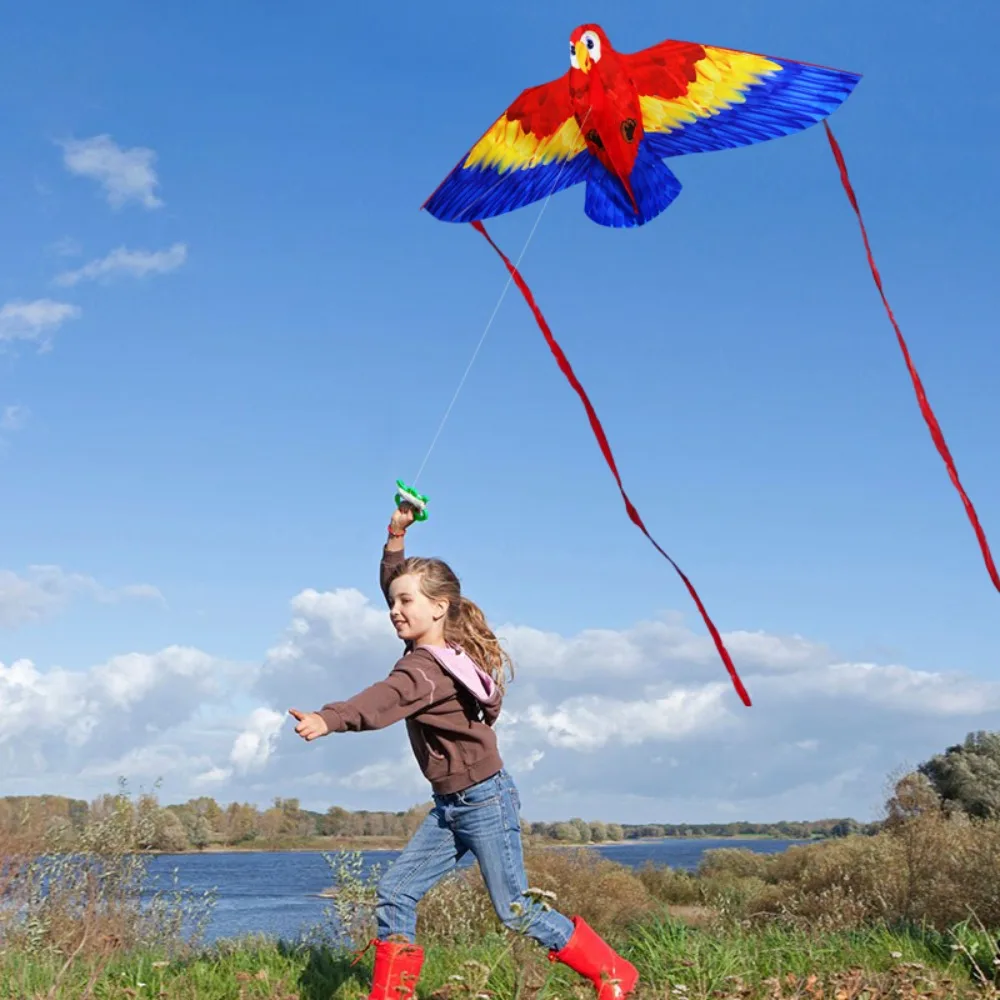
x: 602, y: 440
x: 925, y: 406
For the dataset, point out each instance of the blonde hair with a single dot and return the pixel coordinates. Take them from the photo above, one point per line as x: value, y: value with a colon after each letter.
x: 465, y: 624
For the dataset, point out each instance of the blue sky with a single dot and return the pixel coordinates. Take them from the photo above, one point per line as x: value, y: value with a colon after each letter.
x: 228, y: 431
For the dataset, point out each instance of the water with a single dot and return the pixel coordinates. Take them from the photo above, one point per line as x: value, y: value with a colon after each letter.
x: 277, y: 893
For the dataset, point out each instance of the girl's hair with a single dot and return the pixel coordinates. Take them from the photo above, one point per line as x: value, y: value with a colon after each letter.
x: 465, y: 624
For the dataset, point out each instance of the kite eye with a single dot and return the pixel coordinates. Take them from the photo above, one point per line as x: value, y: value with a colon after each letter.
x: 572, y: 56
x: 593, y: 44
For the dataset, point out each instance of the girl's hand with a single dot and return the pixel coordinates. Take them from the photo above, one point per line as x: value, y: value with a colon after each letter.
x: 402, y: 517
x: 311, y: 724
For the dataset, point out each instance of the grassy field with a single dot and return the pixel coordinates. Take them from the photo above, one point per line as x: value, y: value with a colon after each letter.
x: 672, y: 957
x: 903, y: 914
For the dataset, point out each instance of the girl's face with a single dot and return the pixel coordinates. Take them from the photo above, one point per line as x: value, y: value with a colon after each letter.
x: 415, y: 616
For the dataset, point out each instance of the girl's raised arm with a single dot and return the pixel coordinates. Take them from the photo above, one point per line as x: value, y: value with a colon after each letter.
x: 393, y: 551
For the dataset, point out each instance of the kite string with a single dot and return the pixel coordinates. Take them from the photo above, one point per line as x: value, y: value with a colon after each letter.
x: 482, y: 339
x: 925, y: 406
x: 475, y: 354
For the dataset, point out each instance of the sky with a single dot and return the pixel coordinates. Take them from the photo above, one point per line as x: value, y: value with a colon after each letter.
x: 226, y: 329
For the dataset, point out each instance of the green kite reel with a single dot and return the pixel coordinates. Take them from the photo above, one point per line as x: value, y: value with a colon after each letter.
x: 416, y: 500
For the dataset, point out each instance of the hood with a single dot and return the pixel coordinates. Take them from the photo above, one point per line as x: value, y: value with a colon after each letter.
x: 467, y: 672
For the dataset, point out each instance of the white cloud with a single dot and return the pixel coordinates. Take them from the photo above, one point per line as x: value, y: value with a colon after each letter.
x: 66, y: 247
x: 126, y: 175
x: 125, y: 681
x: 648, y: 648
x: 120, y: 710
x: 214, y: 776
x: 400, y: 775
x: 254, y: 746
x: 590, y: 722
x: 35, y: 321
x: 13, y: 418
x: 124, y: 262
x: 658, y: 735
x: 587, y: 712
x: 45, y: 590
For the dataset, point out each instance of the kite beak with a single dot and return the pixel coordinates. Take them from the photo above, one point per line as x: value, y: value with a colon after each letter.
x: 582, y: 57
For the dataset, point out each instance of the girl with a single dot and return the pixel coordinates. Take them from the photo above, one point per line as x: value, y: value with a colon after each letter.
x: 448, y: 687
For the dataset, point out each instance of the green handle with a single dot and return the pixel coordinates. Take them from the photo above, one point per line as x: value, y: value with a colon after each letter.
x: 416, y: 500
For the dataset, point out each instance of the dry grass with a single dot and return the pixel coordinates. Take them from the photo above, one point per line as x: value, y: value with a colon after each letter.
x: 607, y: 895
x: 928, y: 869
x: 899, y: 916
x: 83, y: 907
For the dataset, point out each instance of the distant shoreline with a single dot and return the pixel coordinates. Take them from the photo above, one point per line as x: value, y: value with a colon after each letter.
x: 388, y: 844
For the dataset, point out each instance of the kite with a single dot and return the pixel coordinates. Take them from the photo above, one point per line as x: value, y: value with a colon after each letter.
x: 609, y: 122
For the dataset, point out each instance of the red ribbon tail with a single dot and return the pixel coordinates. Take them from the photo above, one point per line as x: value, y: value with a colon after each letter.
x: 925, y: 406
x: 597, y: 428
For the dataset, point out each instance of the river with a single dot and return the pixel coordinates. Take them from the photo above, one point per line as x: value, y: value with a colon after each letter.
x: 277, y: 893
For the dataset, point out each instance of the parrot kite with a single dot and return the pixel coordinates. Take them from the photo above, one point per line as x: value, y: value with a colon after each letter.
x: 610, y: 121
x: 612, y: 118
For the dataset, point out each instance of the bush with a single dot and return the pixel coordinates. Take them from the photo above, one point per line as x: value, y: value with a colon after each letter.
x: 925, y: 868
x: 607, y: 895
x: 85, y: 901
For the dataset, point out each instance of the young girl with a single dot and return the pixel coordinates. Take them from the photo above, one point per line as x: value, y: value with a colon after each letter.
x: 448, y: 687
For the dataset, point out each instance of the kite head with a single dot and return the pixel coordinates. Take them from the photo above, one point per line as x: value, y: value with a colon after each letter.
x: 586, y: 46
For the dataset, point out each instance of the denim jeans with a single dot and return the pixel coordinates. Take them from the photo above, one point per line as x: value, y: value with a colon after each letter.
x: 483, y: 819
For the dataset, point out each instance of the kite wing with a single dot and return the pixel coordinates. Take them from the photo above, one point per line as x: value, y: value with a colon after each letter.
x: 695, y: 98
x: 532, y: 150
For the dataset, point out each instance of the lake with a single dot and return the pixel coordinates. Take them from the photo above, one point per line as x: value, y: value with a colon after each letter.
x: 276, y: 893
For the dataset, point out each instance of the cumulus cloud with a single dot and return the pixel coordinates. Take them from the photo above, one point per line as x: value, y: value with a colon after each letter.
x: 126, y: 175
x: 45, y: 590
x: 117, y: 711
x: 35, y: 322
x: 127, y: 263
x: 253, y: 746
x: 636, y: 725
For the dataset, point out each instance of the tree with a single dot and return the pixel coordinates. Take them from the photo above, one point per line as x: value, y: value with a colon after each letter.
x: 336, y: 821
x: 170, y: 835
x: 615, y: 832
x: 566, y: 832
x: 914, y: 796
x: 845, y: 828
x: 240, y: 823
x: 967, y: 776
x: 206, y: 806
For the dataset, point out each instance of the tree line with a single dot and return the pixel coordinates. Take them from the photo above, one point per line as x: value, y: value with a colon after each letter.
x: 964, y: 778
x: 202, y: 822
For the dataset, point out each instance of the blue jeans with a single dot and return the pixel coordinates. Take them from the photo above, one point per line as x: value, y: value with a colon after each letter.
x: 482, y: 819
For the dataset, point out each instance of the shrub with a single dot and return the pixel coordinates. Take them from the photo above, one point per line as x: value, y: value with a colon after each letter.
x: 87, y: 902
x: 607, y: 895
x: 925, y: 868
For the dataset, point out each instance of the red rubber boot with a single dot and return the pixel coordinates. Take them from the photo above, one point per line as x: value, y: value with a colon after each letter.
x: 588, y: 954
x: 397, y: 968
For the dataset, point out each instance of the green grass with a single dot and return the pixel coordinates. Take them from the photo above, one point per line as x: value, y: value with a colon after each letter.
x: 673, y: 959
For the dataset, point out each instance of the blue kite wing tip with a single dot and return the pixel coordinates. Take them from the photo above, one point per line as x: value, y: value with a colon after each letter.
x: 472, y: 193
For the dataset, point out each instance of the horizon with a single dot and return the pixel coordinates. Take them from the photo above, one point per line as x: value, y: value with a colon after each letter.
x: 223, y: 805
x: 226, y: 329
